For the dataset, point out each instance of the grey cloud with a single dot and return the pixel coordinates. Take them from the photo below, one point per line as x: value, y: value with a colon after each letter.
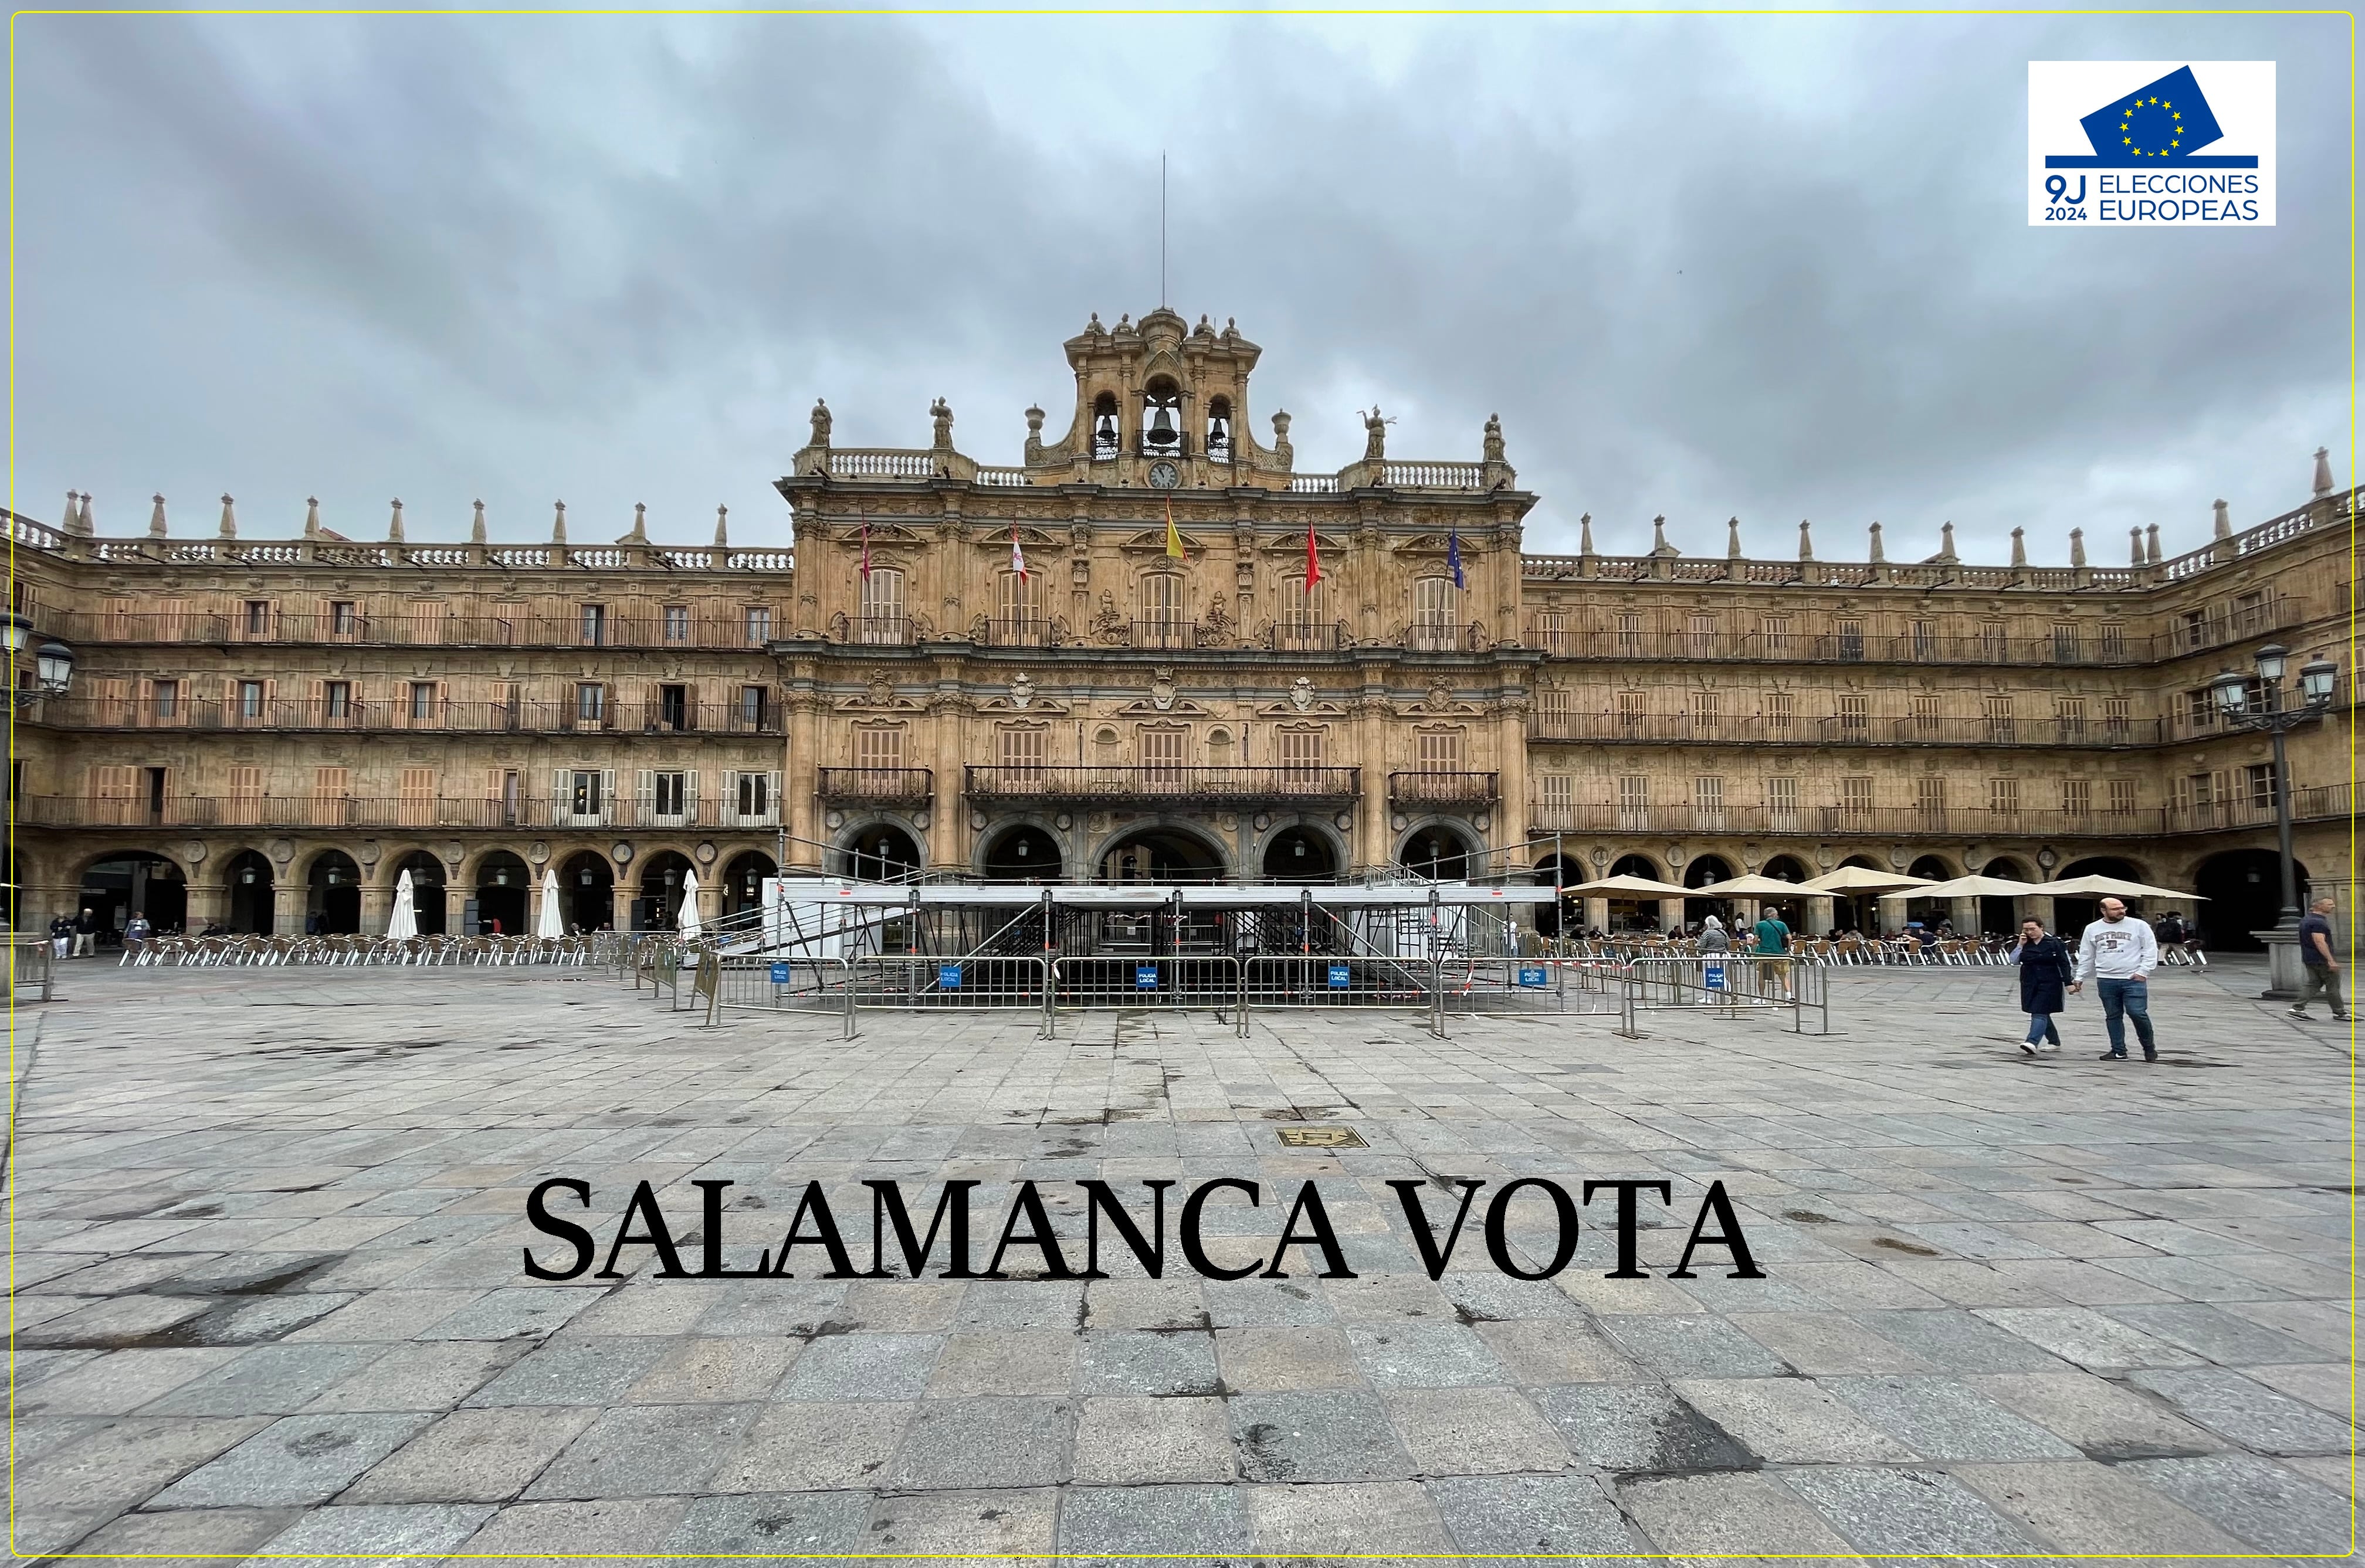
x: 1777, y: 269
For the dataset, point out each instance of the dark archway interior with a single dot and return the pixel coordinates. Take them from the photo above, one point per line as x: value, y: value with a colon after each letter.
x: 1299, y: 855
x: 1783, y: 869
x: 1634, y: 914
x: 332, y: 895
x: 252, y: 905
x: 1439, y: 854
x: 587, y: 893
x: 115, y: 889
x: 1161, y: 854
x: 2244, y: 890
x: 1704, y: 872
x: 426, y: 891
x: 658, y: 905
x: 1022, y: 854
x: 743, y: 882
x: 1999, y: 914
x: 882, y: 853
x: 503, y: 889
x: 1550, y: 921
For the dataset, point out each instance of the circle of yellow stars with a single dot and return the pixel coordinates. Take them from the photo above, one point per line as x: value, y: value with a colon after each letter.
x: 2158, y: 115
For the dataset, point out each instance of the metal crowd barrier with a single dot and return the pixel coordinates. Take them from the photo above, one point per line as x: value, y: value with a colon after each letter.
x: 32, y: 967
x: 1474, y: 986
x: 972, y: 982
x: 1287, y: 980
x: 1171, y: 980
x: 813, y: 985
x: 1725, y: 985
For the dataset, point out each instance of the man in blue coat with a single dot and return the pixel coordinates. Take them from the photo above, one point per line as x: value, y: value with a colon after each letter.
x: 2044, y: 973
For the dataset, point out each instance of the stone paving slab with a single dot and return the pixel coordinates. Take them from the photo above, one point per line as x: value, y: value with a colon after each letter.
x: 270, y: 1299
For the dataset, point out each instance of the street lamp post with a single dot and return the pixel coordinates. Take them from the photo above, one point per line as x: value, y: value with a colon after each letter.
x: 2232, y: 690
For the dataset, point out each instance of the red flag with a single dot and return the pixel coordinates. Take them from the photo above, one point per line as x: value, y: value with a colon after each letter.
x: 1017, y: 556
x: 1313, y: 561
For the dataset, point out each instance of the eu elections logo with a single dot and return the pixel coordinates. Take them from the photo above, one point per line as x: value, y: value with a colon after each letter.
x: 2151, y: 142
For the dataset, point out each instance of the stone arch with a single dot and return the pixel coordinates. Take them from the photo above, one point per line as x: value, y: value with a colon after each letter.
x: 332, y: 883
x: 880, y: 849
x: 430, y: 888
x: 2244, y: 890
x: 1302, y: 849
x: 743, y: 882
x: 1165, y: 849
x: 1442, y: 850
x: 659, y: 877
x: 586, y: 891
x: 1025, y: 850
x: 502, y: 884
x: 112, y: 883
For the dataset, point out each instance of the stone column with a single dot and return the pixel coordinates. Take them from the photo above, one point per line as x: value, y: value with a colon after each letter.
x: 1596, y: 913
x: 1671, y: 915
x: 800, y: 780
x: 1819, y: 916
x: 2037, y: 907
x: 1964, y: 914
x: 209, y: 897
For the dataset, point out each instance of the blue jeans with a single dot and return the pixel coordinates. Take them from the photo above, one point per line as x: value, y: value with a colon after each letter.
x: 2122, y: 999
x: 2041, y: 1029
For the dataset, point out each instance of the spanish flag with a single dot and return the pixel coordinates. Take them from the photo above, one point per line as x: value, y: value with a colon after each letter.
x: 1173, y: 539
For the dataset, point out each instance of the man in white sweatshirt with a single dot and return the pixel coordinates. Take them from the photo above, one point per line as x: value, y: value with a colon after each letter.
x: 2119, y: 956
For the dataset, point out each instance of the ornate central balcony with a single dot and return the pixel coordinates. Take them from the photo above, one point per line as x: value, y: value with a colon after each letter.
x: 884, y: 786
x: 1444, y: 789
x: 1152, y: 784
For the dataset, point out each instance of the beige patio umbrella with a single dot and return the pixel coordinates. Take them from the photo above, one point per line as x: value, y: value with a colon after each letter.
x: 1755, y: 887
x: 1860, y: 880
x: 1966, y: 888
x: 2111, y: 887
x: 1629, y: 886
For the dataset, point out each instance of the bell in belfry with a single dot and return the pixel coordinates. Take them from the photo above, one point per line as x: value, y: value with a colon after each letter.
x: 1162, y: 429
x: 1219, y: 433
x: 1105, y: 431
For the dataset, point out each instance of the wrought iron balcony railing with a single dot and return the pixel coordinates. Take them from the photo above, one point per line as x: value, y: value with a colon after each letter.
x: 1444, y: 789
x: 1153, y: 782
x: 882, y: 785
x: 182, y: 713
x: 179, y: 811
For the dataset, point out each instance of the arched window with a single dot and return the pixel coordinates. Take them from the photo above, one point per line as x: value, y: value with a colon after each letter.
x: 1219, y: 429
x: 1434, y: 617
x: 1162, y: 419
x: 882, y: 605
x: 1105, y: 440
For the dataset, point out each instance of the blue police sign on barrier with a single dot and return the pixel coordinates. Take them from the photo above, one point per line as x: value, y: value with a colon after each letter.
x: 1713, y: 976
x: 1145, y: 977
x: 1533, y: 974
x: 779, y: 974
x: 1340, y: 977
x: 948, y: 977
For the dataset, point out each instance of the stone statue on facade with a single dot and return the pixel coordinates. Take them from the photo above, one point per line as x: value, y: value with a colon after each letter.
x: 942, y: 413
x: 1109, y: 626
x: 820, y: 423
x: 1494, y: 438
x: 1216, y: 626
x: 1375, y: 435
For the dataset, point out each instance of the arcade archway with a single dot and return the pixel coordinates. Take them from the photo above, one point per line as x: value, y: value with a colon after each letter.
x: 2073, y: 914
x: 1705, y: 872
x: 657, y: 906
x: 743, y: 882
x: 1440, y: 853
x: 251, y: 904
x: 332, y: 895
x: 1635, y: 913
x: 504, y: 887
x: 880, y: 852
x: 1022, y: 853
x: 427, y: 890
x: 1300, y: 855
x: 1161, y: 854
x: 587, y: 892
x: 2244, y: 890
x: 135, y: 882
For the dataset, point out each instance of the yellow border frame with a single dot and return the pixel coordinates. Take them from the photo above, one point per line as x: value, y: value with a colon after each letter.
x: 10, y: 1145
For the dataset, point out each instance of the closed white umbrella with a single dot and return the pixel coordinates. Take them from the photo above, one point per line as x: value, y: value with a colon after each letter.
x: 549, y: 923
x: 403, y: 923
x: 686, y: 924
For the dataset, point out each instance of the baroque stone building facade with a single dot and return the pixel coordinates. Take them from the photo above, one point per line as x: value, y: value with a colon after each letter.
x: 1106, y: 662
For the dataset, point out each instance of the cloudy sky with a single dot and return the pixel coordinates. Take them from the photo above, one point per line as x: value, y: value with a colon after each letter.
x: 1775, y: 268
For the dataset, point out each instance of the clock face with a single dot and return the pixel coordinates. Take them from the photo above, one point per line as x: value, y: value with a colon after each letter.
x: 1164, y: 475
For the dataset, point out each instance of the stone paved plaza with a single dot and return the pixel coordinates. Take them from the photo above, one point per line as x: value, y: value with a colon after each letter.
x: 267, y: 1256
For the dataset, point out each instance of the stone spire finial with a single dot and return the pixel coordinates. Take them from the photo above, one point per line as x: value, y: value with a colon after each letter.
x: 477, y: 527
x: 156, y: 519
x: 393, y: 523
x: 2151, y: 545
x: 1732, y: 538
x: 558, y: 523
x: 1806, y: 541
x: 640, y: 534
x: 2135, y: 546
x: 2223, y: 520
x: 2076, y: 546
x: 71, y: 523
x: 85, y: 524
x: 228, y: 519
x: 2323, y: 484
x: 722, y: 527
x: 1659, y: 545
x: 312, y: 516
x: 1584, y: 534
x: 2020, y: 547
x: 1879, y: 558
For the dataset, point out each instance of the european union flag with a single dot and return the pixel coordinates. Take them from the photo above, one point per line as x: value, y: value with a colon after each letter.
x: 2160, y: 122
x: 1453, y: 556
